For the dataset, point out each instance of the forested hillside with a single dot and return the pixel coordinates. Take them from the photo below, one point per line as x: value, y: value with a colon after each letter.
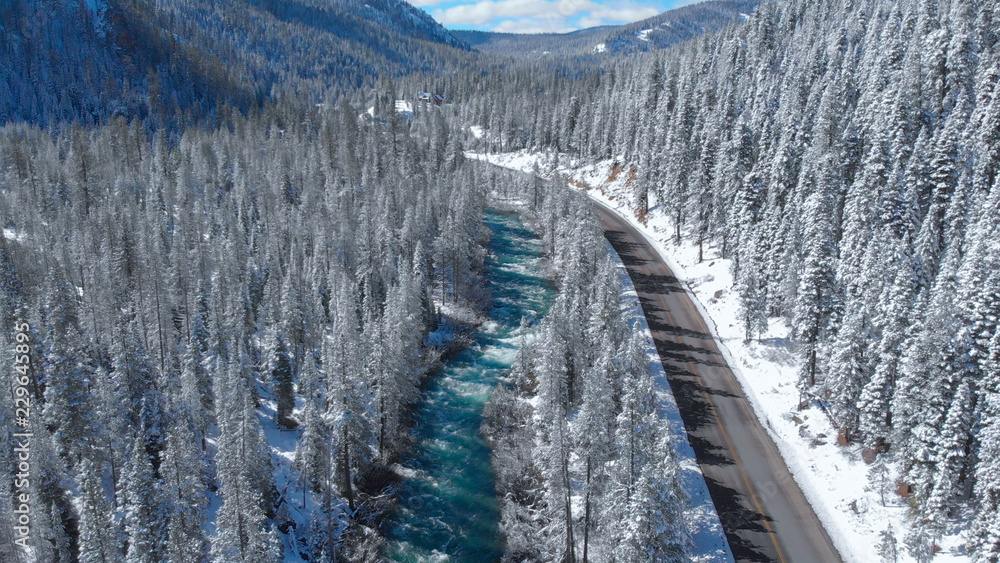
x: 184, y: 298
x: 176, y: 63
x: 677, y: 25
x: 535, y: 45
x: 845, y: 155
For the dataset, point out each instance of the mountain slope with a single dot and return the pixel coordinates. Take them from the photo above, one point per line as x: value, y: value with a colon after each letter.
x: 675, y: 26
x: 87, y: 61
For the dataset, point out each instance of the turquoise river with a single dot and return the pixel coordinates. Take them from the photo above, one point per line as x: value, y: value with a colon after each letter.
x: 447, y: 502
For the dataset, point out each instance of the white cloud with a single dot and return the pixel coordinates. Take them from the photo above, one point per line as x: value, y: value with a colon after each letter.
x: 539, y: 16
x: 488, y: 10
x: 530, y: 25
x: 590, y: 21
x: 624, y: 14
x: 567, y: 8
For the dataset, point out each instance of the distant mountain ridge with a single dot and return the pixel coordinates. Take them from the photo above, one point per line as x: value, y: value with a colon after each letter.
x: 658, y: 32
x: 675, y: 26
x: 535, y: 45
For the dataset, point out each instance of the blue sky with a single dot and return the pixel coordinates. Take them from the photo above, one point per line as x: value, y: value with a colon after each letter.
x: 536, y: 16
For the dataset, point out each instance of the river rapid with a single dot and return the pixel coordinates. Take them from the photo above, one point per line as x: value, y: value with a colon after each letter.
x: 447, y: 502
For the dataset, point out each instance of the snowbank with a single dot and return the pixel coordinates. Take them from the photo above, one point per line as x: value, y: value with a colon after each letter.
x: 709, y: 537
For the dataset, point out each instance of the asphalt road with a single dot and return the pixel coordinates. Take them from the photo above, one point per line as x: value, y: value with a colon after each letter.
x: 764, y: 513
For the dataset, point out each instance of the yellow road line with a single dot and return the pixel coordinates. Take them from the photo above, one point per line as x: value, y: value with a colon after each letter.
x: 736, y: 458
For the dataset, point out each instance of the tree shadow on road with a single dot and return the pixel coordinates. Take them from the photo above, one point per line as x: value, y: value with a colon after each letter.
x: 744, y: 527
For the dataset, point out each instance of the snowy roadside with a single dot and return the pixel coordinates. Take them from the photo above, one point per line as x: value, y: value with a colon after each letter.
x: 833, y: 478
x: 709, y: 537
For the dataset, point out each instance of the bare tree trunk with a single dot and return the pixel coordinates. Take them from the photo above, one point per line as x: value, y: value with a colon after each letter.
x: 381, y: 420
x: 586, y: 515
x: 812, y: 366
x: 348, y: 488
x: 159, y: 326
x: 677, y: 227
x: 570, y: 553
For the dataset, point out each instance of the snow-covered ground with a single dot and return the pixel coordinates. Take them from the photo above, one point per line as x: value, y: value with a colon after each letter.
x: 11, y: 234
x: 298, y: 503
x: 834, y: 478
x: 709, y: 537
x: 403, y: 106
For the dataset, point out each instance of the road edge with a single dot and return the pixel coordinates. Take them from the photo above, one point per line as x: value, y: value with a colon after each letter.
x: 669, y: 411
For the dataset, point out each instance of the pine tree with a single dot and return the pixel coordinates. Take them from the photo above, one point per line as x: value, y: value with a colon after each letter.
x: 636, y: 425
x: 243, y: 532
x: 919, y: 544
x: 145, y: 514
x: 655, y: 529
x: 284, y: 386
x: 554, y: 395
x: 312, y: 451
x: 951, y: 460
x: 849, y: 370
x: 68, y: 377
x: 876, y: 397
x: 52, y: 515
x: 984, y: 540
x: 887, y: 546
x: 926, y: 386
x: 595, y: 427
x: 817, y: 284
x: 136, y: 384
x: 879, y: 477
x: 98, y: 541
x: 183, y: 469
x: 750, y: 288
x: 349, y: 410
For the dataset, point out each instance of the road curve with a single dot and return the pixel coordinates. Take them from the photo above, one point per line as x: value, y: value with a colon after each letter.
x: 764, y: 513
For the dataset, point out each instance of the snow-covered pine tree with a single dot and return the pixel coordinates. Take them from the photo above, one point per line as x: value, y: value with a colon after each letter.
x: 350, y: 403
x: 595, y: 429
x: 886, y: 547
x: 655, y: 529
x: 183, y: 471
x: 984, y: 540
x: 99, y: 541
x: 816, y: 296
x: 68, y: 370
x: 284, y: 384
x: 145, y: 514
x: 246, y: 482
